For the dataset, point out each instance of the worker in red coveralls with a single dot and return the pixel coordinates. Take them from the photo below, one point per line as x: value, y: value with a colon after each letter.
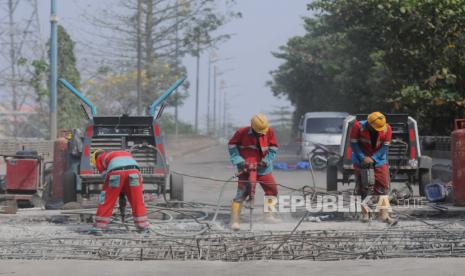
x: 369, y: 141
x: 121, y: 173
x: 254, y: 144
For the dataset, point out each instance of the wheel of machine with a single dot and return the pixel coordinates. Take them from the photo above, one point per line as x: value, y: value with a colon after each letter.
x: 331, y: 178
x: 37, y: 201
x: 317, y: 162
x: 176, y: 187
x: 69, y: 187
x: 424, y: 179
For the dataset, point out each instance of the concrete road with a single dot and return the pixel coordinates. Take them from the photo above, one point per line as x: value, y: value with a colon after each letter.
x: 395, y: 267
x: 214, y: 163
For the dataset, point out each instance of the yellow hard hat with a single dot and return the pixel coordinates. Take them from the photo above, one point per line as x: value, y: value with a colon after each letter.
x: 377, y: 121
x: 259, y: 123
x: 93, y: 157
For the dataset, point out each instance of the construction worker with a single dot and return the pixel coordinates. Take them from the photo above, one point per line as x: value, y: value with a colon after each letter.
x: 253, y: 144
x: 121, y: 174
x: 369, y: 141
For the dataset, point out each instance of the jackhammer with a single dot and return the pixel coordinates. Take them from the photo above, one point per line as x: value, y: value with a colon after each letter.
x: 250, y: 169
x: 368, y: 180
x: 122, y: 208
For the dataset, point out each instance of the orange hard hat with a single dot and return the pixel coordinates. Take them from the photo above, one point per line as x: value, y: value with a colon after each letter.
x: 259, y: 123
x: 377, y: 121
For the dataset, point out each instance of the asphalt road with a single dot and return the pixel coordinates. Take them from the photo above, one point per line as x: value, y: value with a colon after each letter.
x: 214, y: 163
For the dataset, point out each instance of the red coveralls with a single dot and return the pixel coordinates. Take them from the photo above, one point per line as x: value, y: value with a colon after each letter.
x: 121, y: 173
x: 360, y: 142
x: 244, y: 147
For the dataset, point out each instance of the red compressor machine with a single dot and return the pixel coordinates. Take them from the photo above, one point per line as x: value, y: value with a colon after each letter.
x: 22, y: 182
x: 458, y: 162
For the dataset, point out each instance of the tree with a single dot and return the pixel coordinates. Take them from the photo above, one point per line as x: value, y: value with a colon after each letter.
x: 70, y: 113
x: 392, y: 56
x: 281, y: 121
x: 116, y: 90
x: 21, y: 41
x: 145, y: 34
x: 69, y: 110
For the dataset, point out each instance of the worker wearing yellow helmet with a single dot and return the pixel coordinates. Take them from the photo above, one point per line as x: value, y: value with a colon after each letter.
x: 369, y: 141
x: 123, y: 179
x: 254, y: 146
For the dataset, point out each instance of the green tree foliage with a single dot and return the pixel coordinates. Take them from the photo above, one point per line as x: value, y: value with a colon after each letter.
x: 167, y: 31
x: 389, y: 55
x: 70, y: 114
x: 281, y: 121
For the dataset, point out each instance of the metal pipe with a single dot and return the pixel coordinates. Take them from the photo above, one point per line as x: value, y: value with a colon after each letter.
x: 53, y: 71
x: 79, y: 95
x: 165, y: 95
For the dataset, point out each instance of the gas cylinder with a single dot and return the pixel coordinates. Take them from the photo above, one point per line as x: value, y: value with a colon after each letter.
x: 60, y: 150
x: 458, y: 166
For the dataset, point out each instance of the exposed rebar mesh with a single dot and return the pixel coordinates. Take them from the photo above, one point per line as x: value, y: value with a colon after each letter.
x: 308, y: 245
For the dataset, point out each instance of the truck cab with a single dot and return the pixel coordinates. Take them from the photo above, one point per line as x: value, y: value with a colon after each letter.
x: 323, y: 128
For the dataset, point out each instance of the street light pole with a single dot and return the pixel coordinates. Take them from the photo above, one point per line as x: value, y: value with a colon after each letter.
x: 208, y: 93
x: 176, y: 130
x: 215, y: 73
x: 53, y: 71
x: 224, y: 113
x: 197, y: 87
x: 139, y: 58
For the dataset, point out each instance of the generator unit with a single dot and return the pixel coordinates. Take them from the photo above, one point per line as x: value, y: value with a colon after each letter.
x: 140, y: 135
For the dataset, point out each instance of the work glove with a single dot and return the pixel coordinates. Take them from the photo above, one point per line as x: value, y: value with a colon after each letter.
x: 241, y: 166
x: 262, y: 164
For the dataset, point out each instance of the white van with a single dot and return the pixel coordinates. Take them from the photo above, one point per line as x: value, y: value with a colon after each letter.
x: 323, y: 128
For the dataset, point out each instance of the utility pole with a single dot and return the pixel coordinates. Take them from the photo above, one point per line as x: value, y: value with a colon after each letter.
x: 208, y: 93
x: 215, y: 73
x: 224, y: 113
x: 220, y: 112
x: 139, y: 58
x: 177, y: 72
x: 197, y: 82
x: 53, y: 71
x: 13, y: 64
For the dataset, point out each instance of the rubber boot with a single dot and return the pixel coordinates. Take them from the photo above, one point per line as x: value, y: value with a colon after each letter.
x: 235, y: 215
x: 270, y: 217
x: 365, y: 214
x: 384, y: 207
x: 384, y: 216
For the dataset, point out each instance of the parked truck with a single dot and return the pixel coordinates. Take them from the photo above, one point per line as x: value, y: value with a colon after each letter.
x: 320, y: 130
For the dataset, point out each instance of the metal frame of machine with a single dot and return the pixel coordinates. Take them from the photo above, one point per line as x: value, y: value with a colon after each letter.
x: 406, y: 163
x: 141, y: 135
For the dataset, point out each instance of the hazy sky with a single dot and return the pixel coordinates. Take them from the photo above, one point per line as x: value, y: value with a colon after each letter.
x: 266, y: 25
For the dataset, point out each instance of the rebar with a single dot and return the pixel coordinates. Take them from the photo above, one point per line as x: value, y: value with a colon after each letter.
x: 225, y: 246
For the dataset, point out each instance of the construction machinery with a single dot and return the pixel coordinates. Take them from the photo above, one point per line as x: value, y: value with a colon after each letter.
x: 140, y: 135
x: 250, y: 170
x: 26, y: 181
x: 406, y: 163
